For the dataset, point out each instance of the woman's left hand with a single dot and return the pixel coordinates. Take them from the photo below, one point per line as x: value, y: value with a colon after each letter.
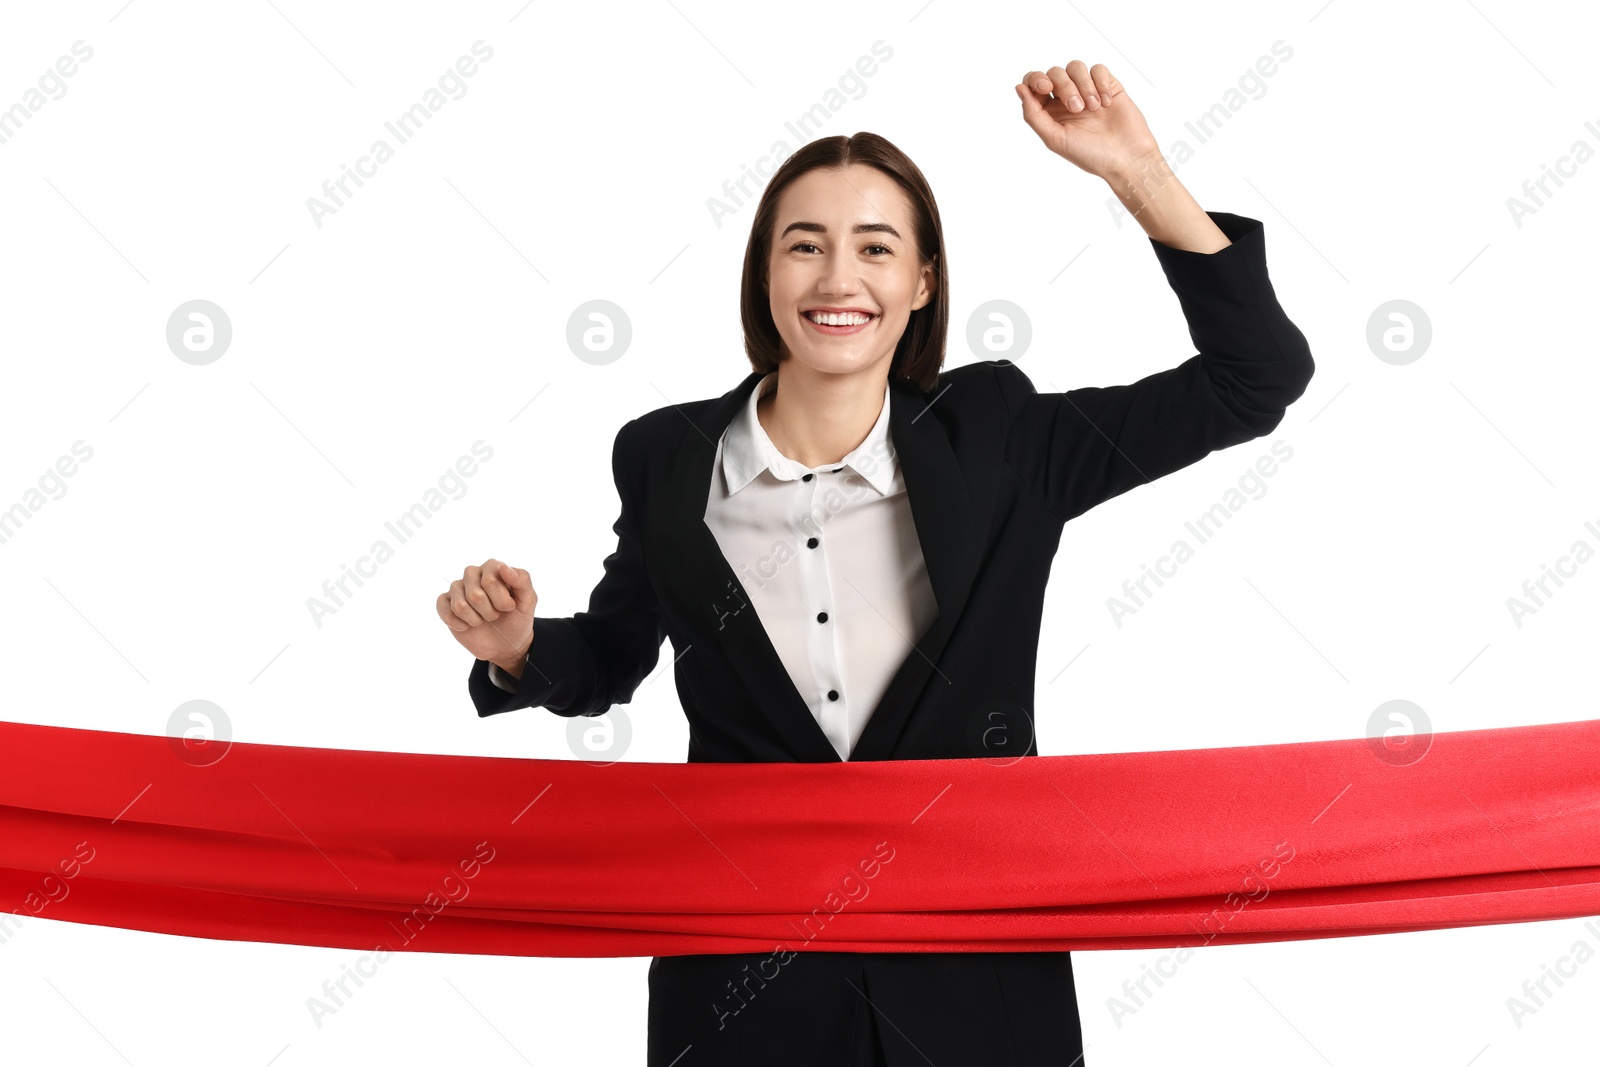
x: 1084, y: 115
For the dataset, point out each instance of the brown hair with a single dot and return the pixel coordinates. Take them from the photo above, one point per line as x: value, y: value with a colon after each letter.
x: 919, y: 353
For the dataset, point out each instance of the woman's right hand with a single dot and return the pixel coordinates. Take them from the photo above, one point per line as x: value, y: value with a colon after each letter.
x: 489, y: 609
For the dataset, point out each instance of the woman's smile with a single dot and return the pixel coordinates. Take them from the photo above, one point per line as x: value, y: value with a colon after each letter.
x: 838, y: 323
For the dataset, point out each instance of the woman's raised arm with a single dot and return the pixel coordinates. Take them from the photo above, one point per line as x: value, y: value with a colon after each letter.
x: 1076, y: 449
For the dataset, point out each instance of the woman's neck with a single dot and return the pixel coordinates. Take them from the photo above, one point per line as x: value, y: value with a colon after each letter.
x: 817, y: 419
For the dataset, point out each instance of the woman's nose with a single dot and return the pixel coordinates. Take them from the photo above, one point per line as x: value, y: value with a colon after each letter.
x: 839, y: 279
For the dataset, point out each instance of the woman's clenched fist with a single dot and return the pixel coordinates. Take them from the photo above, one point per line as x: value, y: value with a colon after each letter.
x: 489, y: 609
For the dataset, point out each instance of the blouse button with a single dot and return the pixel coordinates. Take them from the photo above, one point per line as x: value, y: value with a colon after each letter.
x: 833, y: 694
x: 805, y: 477
x: 811, y: 542
x: 822, y: 616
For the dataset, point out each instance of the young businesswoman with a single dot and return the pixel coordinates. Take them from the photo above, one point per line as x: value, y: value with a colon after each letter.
x: 849, y: 551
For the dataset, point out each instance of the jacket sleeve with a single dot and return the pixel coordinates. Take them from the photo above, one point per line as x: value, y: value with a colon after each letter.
x: 1076, y: 449
x: 585, y: 663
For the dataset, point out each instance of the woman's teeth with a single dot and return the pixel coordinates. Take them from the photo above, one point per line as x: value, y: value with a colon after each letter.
x: 852, y: 318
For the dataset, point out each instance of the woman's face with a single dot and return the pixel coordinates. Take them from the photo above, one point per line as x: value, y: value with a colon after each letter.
x: 818, y: 260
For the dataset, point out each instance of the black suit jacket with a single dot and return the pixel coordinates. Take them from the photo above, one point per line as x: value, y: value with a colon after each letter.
x: 993, y: 469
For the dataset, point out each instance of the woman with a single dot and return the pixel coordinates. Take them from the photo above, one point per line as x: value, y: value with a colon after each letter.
x: 849, y: 552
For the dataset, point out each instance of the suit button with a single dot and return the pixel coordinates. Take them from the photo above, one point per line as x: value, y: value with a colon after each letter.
x: 805, y: 477
x: 833, y: 694
x: 811, y: 542
x: 822, y: 616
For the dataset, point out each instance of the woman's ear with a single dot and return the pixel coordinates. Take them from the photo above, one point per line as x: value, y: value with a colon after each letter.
x: 929, y: 287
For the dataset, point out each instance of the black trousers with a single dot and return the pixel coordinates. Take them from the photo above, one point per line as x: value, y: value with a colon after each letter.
x: 851, y: 1009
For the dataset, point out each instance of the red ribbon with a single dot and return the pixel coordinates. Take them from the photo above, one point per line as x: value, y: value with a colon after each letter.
x: 527, y: 857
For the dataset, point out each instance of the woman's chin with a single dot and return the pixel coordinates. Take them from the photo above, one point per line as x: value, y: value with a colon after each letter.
x: 837, y: 360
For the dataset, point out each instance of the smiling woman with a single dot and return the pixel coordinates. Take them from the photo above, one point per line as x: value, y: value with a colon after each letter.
x: 925, y: 506
x: 842, y: 283
x: 834, y: 303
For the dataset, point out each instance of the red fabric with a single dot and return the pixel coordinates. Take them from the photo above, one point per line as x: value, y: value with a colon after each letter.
x: 433, y: 853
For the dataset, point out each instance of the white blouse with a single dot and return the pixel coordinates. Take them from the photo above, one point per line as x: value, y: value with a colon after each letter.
x: 830, y: 559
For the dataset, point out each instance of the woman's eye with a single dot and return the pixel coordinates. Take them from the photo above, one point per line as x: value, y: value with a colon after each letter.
x: 808, y: 244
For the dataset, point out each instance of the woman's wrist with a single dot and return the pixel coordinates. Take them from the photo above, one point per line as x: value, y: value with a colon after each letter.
x: 513, y: 664
x: 1162, y: 207
x: 511, y: 667
x: 1138, y: 181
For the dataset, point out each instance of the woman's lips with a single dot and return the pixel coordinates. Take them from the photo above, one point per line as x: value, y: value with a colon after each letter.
x: 837, y: 331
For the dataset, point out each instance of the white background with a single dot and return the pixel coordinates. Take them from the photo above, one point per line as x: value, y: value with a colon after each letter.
x: 430, y: 312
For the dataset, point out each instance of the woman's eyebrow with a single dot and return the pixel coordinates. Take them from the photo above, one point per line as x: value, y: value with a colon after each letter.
x: 860, y: 227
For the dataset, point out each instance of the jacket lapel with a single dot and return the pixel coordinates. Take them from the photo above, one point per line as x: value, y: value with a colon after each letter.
x: 700, y: 582
x: 946, y: 530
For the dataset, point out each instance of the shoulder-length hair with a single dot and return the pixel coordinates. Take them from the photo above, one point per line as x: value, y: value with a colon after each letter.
x: 920, y: 351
